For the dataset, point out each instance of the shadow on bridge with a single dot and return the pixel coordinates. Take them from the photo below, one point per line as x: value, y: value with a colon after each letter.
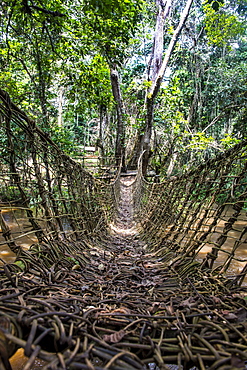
x: 121, y: 284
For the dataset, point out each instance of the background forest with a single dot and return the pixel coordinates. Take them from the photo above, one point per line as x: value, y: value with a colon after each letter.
x: 167, y: 77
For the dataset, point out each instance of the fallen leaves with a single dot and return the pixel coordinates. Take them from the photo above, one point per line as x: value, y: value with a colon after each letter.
x: 114, y: 337
x: 116, y: 311
x: 101, y: 267
x: 189, y: 303
x: 237, y: 363
x: 238, y: 316
x: 121, y: 310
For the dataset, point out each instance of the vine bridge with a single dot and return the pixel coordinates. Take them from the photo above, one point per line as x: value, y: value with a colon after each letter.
x: 125, y: 275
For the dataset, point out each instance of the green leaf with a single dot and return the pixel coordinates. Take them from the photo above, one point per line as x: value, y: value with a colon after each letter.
x: 20, y: 264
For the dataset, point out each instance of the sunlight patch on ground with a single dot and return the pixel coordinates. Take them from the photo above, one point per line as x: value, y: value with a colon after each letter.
x: 123, y: 231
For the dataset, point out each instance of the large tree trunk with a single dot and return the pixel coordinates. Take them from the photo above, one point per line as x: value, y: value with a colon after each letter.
x: 100, y: 139
x: 158, y: 71
x: 120, y: 139
x: 60, y: 106
x: 135, y: 155
x: 158, y: 41
x: 154, y: 65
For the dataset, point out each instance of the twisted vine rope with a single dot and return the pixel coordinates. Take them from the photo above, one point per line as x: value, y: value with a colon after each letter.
x: 203, y: 210
x: 49, y: 181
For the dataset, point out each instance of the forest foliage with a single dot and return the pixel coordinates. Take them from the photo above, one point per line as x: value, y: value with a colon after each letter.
x: 57, y: 60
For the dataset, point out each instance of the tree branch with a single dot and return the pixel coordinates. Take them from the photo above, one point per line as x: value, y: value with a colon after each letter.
x: 28, y: 9
x: 219, y: 116
x: 46, y: 11
x: 156, y: 85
